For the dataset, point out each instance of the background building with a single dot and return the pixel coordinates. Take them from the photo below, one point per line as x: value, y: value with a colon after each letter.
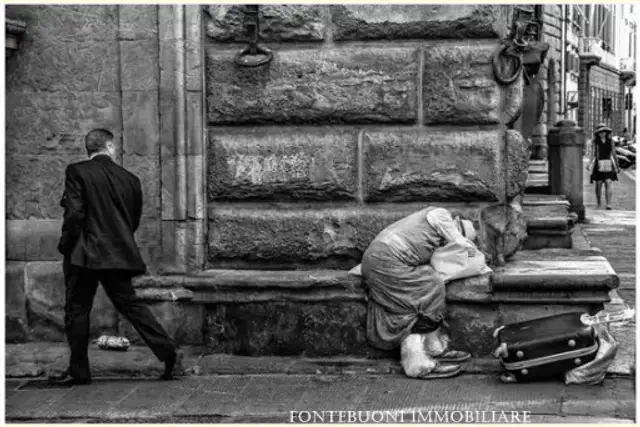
x: 608, y: 32
x: 591, y: 79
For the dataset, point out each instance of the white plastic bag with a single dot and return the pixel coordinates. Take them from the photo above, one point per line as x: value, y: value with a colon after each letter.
x: 452, y: 262
x: 593, y: 373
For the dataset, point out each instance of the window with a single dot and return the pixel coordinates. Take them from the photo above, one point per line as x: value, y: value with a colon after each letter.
x: 607, y: 108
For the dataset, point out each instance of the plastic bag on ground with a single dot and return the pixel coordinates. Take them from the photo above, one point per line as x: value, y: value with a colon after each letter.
x: 593, y: 373
x: 452, y: 262
x: 106, y: 342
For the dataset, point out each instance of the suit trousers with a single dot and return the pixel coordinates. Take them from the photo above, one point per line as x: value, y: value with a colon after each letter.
x: 81, y: 286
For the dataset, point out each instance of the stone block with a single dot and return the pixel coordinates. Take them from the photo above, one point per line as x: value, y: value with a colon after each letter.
x: 149, y: 240
x: 139, y: 65
x: 70, y: 22
x: 291, y: 22
x: 195, y: 231
x: 196, y: 203
x: 196, y: 141
x: 194, y: 61
x: 459, y: 86
x: 384, y: 22
x: 45, y: 294
x: 284, y: 236
x: 167, y: 105
x: 16, y: 321
x: 32, y: 196
x: 171, y: 204
x: 168, y: 229
x: 138, y: 22
x: 146, y: 168
x: 33, y: 240
x: 182, y: 321
x: 55, y: 123
x: 342, y: 85
x: 434, y: 165
x: 287, y: 329
x: 279, y: 164
x: 516, y: 163
x: 141, y: 127
x: 65, y: 66
x: 471, y: 327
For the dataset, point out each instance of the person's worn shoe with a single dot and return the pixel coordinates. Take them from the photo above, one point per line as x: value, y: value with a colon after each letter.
x: 453, y: 356
x: 174, y: 361
x: 440, y: 371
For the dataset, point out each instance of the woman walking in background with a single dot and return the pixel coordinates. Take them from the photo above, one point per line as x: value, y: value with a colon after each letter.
x: 604, y: 164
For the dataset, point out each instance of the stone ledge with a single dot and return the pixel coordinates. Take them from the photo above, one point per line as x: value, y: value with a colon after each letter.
x: 562, y: 272
x: 541, y: 276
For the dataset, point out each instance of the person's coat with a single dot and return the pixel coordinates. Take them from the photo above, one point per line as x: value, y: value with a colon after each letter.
x: 102, y: 208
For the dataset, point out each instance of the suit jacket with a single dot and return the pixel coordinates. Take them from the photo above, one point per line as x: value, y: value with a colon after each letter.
x: 102, y: 208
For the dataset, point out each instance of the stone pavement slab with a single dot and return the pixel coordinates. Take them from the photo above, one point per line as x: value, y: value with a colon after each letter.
x: 229, y: 398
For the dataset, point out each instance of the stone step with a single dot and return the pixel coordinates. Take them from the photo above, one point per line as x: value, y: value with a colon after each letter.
x: 322, y: 313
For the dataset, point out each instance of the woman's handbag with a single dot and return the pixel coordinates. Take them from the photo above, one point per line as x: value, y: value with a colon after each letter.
x: 605, y: 166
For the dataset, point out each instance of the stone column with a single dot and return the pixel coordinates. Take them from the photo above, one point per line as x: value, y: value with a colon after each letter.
x: 566, y: 142
x: 182, y: 138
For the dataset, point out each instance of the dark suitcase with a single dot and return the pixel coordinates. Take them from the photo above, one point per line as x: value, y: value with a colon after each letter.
x: 545, y: 347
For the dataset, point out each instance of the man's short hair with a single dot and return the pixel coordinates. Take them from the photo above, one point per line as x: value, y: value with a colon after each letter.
x: 96, y: 140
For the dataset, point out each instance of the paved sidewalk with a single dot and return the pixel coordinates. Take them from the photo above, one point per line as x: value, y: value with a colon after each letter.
x: 271, y: 398
x: 614, y: 232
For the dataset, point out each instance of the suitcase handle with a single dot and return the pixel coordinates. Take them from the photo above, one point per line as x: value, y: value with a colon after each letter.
x: 601, y: 318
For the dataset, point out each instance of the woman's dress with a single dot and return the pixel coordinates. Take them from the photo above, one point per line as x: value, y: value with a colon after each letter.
x: 603, y: 152
x: 402, y: 285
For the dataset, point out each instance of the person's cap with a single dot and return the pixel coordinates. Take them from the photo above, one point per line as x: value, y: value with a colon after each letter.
x: 602, y: 128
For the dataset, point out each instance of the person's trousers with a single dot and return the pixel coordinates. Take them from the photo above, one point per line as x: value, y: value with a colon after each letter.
x: 81, y: 286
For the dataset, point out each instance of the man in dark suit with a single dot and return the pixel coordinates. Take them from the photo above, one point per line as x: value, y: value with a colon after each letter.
x: 102, y: 207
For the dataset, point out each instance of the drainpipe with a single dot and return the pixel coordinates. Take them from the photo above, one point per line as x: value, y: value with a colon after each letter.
x: 563, y: 59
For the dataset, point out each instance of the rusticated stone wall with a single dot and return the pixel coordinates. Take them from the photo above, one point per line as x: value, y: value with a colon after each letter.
x: 77, y: 68
x: 364, y: 109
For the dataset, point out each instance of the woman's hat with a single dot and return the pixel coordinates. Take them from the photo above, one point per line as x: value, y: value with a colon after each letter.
x: 602, y: 128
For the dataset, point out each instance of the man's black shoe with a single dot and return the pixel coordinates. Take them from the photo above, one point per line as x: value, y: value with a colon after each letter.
x: 70, y: 382
x: 169, y: 365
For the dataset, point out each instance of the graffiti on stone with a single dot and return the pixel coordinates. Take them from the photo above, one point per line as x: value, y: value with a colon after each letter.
x: 272, y: 168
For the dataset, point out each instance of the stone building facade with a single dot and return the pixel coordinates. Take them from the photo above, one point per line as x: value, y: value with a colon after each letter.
x: 365, y: 114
